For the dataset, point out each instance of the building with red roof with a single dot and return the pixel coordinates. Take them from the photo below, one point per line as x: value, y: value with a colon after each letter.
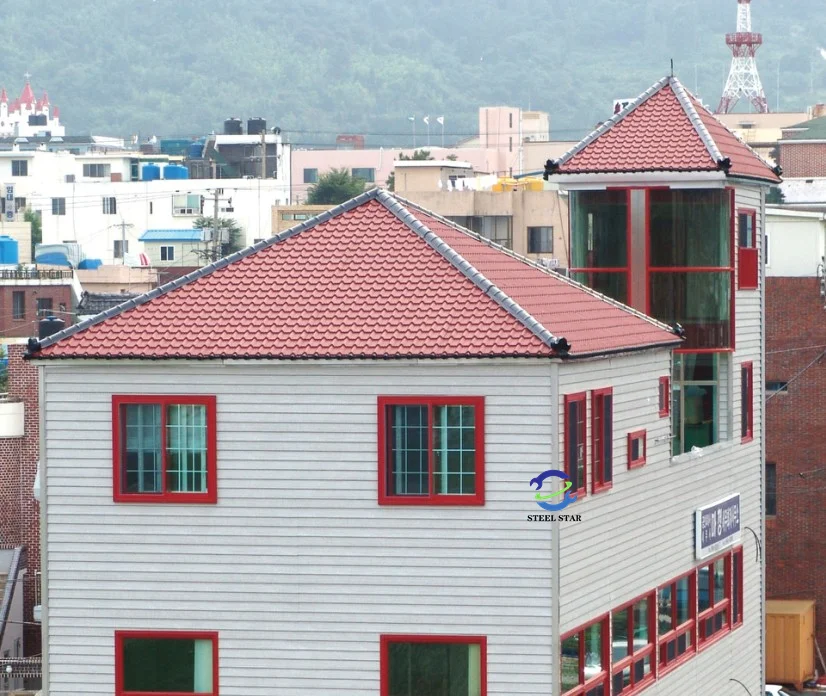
x: 380, y: 436
x: 29, y: 116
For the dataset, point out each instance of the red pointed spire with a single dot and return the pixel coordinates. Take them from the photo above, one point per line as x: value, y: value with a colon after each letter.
x: 28, y: 95
x: 56, y: 112
x: 4, y: 99
x: 44, y: 100
x: 15, y: 106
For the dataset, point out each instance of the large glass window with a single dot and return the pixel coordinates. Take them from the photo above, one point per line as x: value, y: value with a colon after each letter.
x: 540, y: 240
x: 431, y: 450
x: 165, y: 449
x: 585, y: 661
x: 714, y: 598
x: 676, y: 613
x: 599, y: 241
x: 632, y: 641
x: 497, y: 228
x: 433, y: 665
x: 695, y: 400
x: 165, y: 663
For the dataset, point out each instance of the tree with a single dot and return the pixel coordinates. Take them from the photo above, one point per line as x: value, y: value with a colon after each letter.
x: 230, y: 233
x: 418, y: 155
x: 334, y: 187
x: 33, y: 216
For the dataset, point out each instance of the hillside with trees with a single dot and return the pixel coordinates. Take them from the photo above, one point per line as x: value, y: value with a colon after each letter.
x: 320, y: 67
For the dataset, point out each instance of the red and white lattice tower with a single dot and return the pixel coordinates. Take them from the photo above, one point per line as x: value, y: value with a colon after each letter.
x: 743, y: 79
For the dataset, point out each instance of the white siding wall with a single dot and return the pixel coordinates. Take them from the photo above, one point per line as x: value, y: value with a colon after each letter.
x: 297, y: 566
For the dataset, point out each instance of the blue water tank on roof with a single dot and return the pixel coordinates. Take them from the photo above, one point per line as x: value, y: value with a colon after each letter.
x: 150, y: 172
x: 175, y: 171
x: 8, y: 250
x: 196, y: 150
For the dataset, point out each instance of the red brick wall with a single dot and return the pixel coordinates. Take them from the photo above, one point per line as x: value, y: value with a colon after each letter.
x: 27, y: 326
x: 19, y: 511
x: 803, y: 159
x: 796, y: 442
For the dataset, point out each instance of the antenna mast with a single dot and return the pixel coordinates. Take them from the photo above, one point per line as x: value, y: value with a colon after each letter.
x: 743, y: 79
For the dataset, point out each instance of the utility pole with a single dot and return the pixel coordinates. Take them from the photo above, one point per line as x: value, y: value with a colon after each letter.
x: 216, y: 240
x: 263, y: 154
x: 123, y: 225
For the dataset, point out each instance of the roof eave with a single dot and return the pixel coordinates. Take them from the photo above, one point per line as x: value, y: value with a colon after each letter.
x: 592, y: 180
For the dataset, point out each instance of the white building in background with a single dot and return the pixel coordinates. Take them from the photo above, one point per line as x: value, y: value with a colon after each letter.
x: 99, y: 199
x: 28, y: 116
x: 795, y: 242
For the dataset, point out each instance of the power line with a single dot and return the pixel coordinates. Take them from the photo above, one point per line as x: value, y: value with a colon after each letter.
x: 798, y: 375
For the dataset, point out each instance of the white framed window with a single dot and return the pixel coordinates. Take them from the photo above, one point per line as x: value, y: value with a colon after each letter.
x: 97, y: 171
x: 110, y: 205
x: 167, y: 253
x: 58, y: 206
x: 186, y: 204
x: 121, y: 248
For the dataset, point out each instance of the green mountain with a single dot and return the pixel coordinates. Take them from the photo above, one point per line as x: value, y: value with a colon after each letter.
x: 320, y: 67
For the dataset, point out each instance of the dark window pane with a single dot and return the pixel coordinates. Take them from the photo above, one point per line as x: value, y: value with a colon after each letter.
x: 141, y: 425
x: 719, y: 580
x: 745, y: 226
x: 576, y: 444
x: 689, y: 228
x: 771, y: 489
x: 683, y: 599
x: 614, y: 285
x: 641, y: 626
x: 665, y: 608
x: 671, y: 651
x: 619, y: 625
x: 599, y: 236
x: 540, y: 240
x: 703, y: 589
x: 608, y: 438
x: 408, y: 450
x: 570, y: 662
x: 700, y: 302
x: 683, y: 643
x: 436, y: 669
x: 167, y: 665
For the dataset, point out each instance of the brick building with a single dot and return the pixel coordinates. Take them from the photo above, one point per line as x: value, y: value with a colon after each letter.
x: 19, y: 511
x: 802, y: 149
x: 795, y: 410
x: 28, y: 295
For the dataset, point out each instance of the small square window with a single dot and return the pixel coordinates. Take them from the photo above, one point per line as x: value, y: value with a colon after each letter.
x: 121, y: 248
x: 636, y: 449
x: 167, y: 253
x: 18, y: 303
x: 20, y: 167
x: 366, y: 174
x: 664, y: 397
x: 166, y: 663
x: 58, y: 206
x: 164, y: 449
x: 45, y: 305
x: 540, y: 240
x: 433, y: 665
x: 311, y: 176
x: 431, y: 451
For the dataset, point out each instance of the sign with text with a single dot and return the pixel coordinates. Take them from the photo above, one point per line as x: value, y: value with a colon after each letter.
x: 716, y: 526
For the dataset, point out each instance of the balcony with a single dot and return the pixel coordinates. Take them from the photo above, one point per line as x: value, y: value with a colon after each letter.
x: 12, y: 417
x: 34, y: 274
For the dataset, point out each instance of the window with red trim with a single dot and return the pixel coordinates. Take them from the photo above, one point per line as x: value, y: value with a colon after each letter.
x: 676, y: 616
x: 737, y: 588
x: 747, y: 402
x: 166, y: 663
x: 576, y: 449
x: 714, y: 598
x: 164, y: 449
x: 664, y: 397
x: 431, y: 450
x: 433, y: 665
x: 747, y: 250
x: 633, y: 631
x: 637, y: 444
x: 585, y: 660
x: 602, y: 439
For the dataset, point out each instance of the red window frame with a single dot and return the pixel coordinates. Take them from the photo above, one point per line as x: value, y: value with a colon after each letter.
x: 746, y: 402
x: 384, y: 654
x: 747, y: 254
x: 639, y: 461
x: 737, y: 586
x: 601, y: 679
x: 121, y: 636
x: 664, y: 396
x: 118, y: 441
x: 717, y: 608
x: 601, y: 450
x: 581, y: 487
x: 687, y: 628
x: 635, y: 656
x: 385, y: 497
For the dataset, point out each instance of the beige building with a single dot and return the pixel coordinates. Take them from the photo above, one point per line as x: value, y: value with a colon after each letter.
x: 118, y: 279
x: 286, y: 216
x: 762, y: 131
x: 175, y: 247
x: 527, y: 215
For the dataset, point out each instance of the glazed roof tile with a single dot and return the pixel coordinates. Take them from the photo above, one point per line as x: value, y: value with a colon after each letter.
x: 373, y: 278
x: 665, y: 129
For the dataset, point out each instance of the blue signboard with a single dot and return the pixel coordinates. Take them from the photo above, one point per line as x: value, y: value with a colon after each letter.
x: 717, y: 526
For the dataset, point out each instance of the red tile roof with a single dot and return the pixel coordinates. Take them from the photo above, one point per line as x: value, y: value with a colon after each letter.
x: 366, y: 280
x: 665, y: 130
x: 27, y: 97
